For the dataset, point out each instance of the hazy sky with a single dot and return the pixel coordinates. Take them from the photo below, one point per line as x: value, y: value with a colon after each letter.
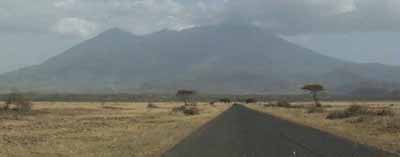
x: 358, y: 30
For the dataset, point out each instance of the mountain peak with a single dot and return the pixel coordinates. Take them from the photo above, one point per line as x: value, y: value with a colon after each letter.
x: 115, y: 32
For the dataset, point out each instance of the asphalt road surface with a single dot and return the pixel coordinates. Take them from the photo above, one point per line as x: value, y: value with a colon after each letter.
x: 242, y: 132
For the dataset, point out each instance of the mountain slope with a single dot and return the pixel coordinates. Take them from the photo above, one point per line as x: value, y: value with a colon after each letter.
x: 216, y: 59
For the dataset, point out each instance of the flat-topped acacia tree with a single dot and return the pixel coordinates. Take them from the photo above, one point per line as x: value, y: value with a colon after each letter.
x: 186, y: 95
x: 314, y: 89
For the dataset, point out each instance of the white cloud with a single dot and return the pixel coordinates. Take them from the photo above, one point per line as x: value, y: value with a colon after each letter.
x: 347, y: 6
x: 332, y: 7
x: 157, y: 6
x: 318, y: 16
x: 138, y: 16
x: 64, y: 3
x: 144, y: 16
x: 75, y: 26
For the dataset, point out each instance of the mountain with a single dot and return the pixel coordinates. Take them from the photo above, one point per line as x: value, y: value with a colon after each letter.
x: 211, y: 59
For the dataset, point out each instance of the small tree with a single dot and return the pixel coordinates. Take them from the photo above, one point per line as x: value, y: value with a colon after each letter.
x: 314, y: 89
x: 251, y: 100
x: 19, y: 101
x: 185, y: 95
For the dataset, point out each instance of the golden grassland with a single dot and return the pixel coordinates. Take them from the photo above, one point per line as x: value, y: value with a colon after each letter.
x: 97, y: 130
x: 379, y: 131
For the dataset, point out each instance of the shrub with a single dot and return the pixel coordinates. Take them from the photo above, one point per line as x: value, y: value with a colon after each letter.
x: 355, y: 110
x: 112, y: 108
x: 225, y: 100
x: 315, y: 110
x: 384, y: 112
x: 187, y: 110
x: 151, y: 105
x: 178, y: 109
x: 283, y: 103
x: 190, y: 111
x: 251, y: 100
x: 338, y: 115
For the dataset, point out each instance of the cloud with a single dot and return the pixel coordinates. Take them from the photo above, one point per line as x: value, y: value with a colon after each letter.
x: 75, y: 26
x: 145, y: 16
x: 20, y: 16
x: 65, y: 3
x: 317, y: 16
x: 138, y: 16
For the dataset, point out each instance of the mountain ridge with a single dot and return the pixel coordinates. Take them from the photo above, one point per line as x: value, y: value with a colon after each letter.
x: 215, y: 59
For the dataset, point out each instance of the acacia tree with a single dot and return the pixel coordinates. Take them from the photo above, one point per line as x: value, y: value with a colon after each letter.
x: 314, y: 89
x: 185, y: 95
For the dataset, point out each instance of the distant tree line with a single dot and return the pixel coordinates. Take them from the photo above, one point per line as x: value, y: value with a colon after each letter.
x: 358, y: 94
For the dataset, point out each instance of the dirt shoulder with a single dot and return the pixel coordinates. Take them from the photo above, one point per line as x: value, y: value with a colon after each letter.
x: 95, y: 129
x: 379, y: 131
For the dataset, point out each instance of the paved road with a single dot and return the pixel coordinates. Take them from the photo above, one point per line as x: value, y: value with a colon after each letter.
x: 242, y: 132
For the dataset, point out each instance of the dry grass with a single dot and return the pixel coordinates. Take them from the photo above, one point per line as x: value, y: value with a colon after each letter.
x: 379, y: 131
x: 95, y: 130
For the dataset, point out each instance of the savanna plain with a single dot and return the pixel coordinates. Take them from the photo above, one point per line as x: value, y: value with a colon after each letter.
x: 82, y: 129
x: 106, y: 129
